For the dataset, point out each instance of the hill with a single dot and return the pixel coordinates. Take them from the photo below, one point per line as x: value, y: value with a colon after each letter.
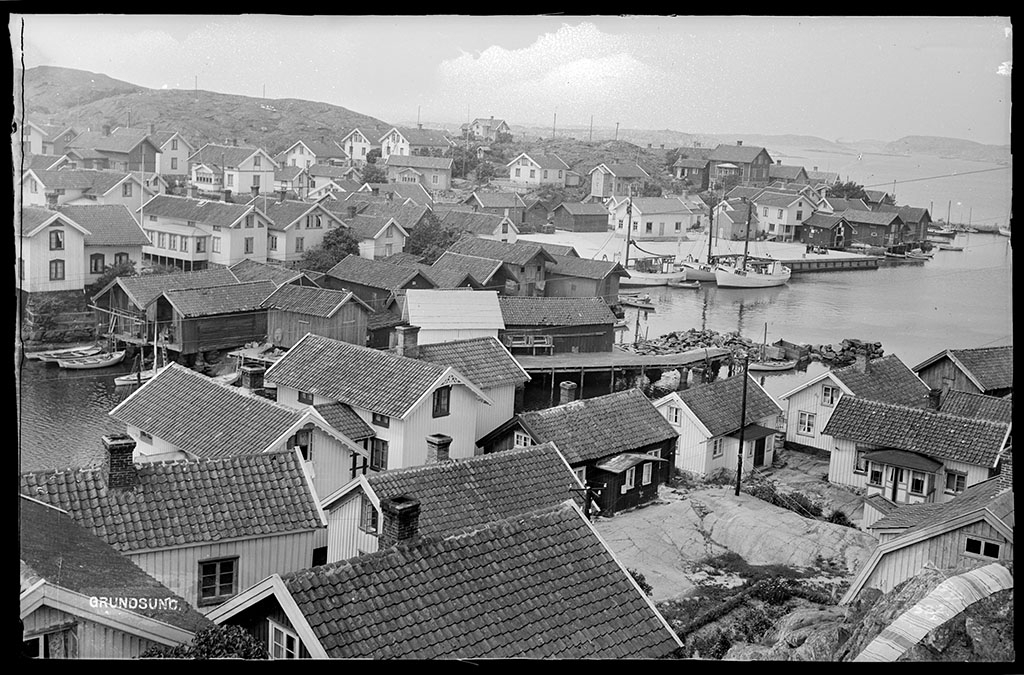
x: 950, y: 148
x: 92, y: 100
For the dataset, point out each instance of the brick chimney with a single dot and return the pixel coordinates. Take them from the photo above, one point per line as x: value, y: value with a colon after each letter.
x: 861, y: 362
x: 401, y: 520
x: 226, y: 196
x: 282, y: 195
x: 121, y: 471
x: 106, y: 129
x: 567, y: 392
x: 252, y: 377
x: 151, y: 129
x: 1006, y: 471
x: 438, y: 446
x: 407, y: 341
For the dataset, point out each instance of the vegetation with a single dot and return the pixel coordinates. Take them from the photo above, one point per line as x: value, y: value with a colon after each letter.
x: 641, y: 581
x: 373, y: 155
x: 111, y: 272
x: 430, y: 239
x: 464, y: 161
x: 840, y: 518
x: 337, y: 244
x: 374, y: 173
x: 485, y: 171
x: 219, y: 642
x: 847, y: 190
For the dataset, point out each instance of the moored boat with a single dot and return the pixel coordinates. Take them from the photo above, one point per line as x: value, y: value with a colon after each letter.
x: 227, y: 378
x: 697, y: 271
x: 684, y: 284
x: 653, y: 271
x: 755, y: 274
x: 638, y: 301
x: 918, y: 254
x: 52, y: 355
x: 948, y: 247
x: 1005, y: 231
x: 137, y: 376
x: 102, y: 360
x: 771, y: 364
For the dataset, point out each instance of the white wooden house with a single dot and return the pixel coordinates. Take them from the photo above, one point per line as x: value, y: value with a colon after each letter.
x: 295, y: 227
x: 83, y: 187
x: 707, y: 419
x: 379, y: 236
x: 215, y: 168
x: 356, y: 145
x: 443, y: 315
x: 537, y: 169
x: 174, y: 153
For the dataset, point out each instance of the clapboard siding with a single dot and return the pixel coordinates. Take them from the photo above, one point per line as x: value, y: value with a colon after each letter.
x: 332, y: 464
x: 95, y: 641
x: 692, y: 451
x: 178, y: 569
x: 936, y: 373
x: 567, y: 339
x: 286, y: 328
x: 460, y: 424
x: 345, y: 538
x: 428, y: 336
x: 490, y: 417
x: 809, y: 401
x: 222, y: 331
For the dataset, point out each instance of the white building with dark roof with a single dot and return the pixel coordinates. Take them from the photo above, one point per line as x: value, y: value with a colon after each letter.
x: 535, y: 169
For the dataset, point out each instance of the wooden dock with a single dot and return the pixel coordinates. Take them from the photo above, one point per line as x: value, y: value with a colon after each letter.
x: 832, y: 263
x: 617, y: 359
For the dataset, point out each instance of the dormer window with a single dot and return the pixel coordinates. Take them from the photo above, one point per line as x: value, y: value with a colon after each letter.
x: 442, y: 401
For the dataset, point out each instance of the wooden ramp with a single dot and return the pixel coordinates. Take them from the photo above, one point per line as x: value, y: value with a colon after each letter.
x: 947, y: 600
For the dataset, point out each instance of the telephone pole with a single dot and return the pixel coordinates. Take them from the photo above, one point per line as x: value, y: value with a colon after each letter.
x: 743, y: 423
x: 591, y: 128
x: 553, y: 120
x: 616, y: 131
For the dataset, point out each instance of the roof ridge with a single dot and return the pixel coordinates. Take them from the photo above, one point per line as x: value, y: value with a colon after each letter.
x: 925, y: 411
x: 468, y: 461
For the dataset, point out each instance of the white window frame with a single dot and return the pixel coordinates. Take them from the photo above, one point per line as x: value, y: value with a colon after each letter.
x: 215, y: 245
x: 915, y: 475
x: 954, y: 491
x: 581, y: 474
x: 521, y: 439
x: 675, y: 415
x: 717, y: 447
x: 829, y: 394
x: 630, y: 480
x: 805, y: 423
x: 647, y: 473
x: 981, y: 553
x: 276, y: 628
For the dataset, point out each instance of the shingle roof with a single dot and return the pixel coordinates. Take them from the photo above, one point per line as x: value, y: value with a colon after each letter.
x: 653, y: 205
x: 519, y: 253
x: 927, y: 432
x: 419, y: 162
x: 585, y: 268
x: 593, y: 428
x: 624, y: 170
x: 476, y: 222
x: 407, y: 215
x: 94, y: 181
x: 888, y: 380
x: 536, y: 585
x: 983, y: 407
x: 498, y: 200
x: 857, y: 217
x: 185, y: 502
x: 251, y: 270
x: 345, y: 420
x: 718, y: 404
x: 241, y: 297
x: 206, y: 211
x: 109, y: 224
x: 202, y: 417
x: 785, y: 171
x: 223, y: 155
x: 451, y: 269
x: 553, y: 311
x: 365, y: 227
x: 365, y: 378
x: 373, y: 273
x: 991, y: 366
x: 484, y: 361
x: 330, y: 171
x: 581, y: 209
x: 308, y: 300
x: 144, y: 288
x: 913, y: 214
x: 67, y: 555
x: 121, y: 140
x: 743, y: 154
x: 839, y: 205
x: 823, y: 220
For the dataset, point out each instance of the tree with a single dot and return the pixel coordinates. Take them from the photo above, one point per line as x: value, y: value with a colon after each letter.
x: 374, y: 173
x: 337, y: 244
x: 372, y: 156
x: 847, y: 190
x: 650, y: 190
x: 485, y: 171
x: 641, y: 581
x: 111, y: 272
x: 429, y: 239
x: 219, y: 642
x: 463, y: 161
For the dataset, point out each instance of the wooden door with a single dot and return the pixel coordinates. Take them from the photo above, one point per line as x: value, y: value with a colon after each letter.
x: 759, y: 452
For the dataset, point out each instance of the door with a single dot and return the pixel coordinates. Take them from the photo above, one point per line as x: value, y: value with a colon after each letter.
x: 759, y: 452
x: 896, y: 476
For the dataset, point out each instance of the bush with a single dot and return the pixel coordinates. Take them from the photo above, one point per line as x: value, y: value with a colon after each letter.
x: 773, y: 591
x: 219, y: 642
x: 721, y: 477
x: 641, y: 581
x: 713, y: 646
x: 840, y: 518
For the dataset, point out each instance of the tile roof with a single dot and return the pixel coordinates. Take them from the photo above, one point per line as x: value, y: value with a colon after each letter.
x: 39, y: 163
x: 927, y: 432
x: 983, y: 407
x: 593, y: 428
x: 484, y: 361
x: 345, y: 420
x: 743, y: 191
x: 743, y: 154
x: 875, y: 195
x: 988, y: 494
x: 384, y: 319
x: 519, y: 253
x: 223, y: 155
x: 185, y: 502
x: 481, y: 269
x: 462, y: 494
x: 67, y: 555
x: 245, y: 296
x: 990, y: 366
x: 144, y: 288
x: 858, y: 217
x: 653, y: 205
x: 554, y: 311
x: 823, y: 220
x: 581, y: 209
x: 824, y: 176
x: 251, y: 270
x: 415, y: 137
x: 536, y: 585
x: 718, y: 404
x: 585, y: 268
x: 309, y: 300
x: 624, y: 170
x: 688, y: 163
x: 330, y: 171
x: 160, y: 138
x: 559, y: 249
x: 548, y: 161
x: 776, y: 199
x: 288, y: 173
x: 373, y: 273
x: 623, y: 462
x: 414, y: 191
x: 739, y: 213
x: 498, y: 200
x: 888, y: 380
x: 321, y: 148
x: 418, y: 162
x: 366, y: 227
x: 402, y: 258
x: 913, y: 214
x: 202, y: 417
x: 121, y: 140
x: 207, y: 211
x: 785, y: 171
x: 407, y: 215
x: 361, y: 377
x: 477, y: 222
x: 109, y: 224
x: 94, y: 181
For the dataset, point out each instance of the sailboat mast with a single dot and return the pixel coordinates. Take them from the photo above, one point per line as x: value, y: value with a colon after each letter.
x: 711, y: 222
x: 629, y: 224
x: 746, y: 235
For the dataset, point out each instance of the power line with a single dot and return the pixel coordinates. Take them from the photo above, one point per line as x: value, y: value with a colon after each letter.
x: 947, y: 175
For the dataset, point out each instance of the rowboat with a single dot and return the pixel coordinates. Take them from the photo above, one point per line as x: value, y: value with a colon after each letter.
x: 53, y: 355
x: 95, y: 361
x: 638, y: 301
x: 771, y: 365
x: 895, y: 255
x: 918, y: 254
x: 228, y: 378
x: 137, y: 376
x: 1005, y: 231
x: 697, y: 271
x: 948, y: 247
x: 685, y: 284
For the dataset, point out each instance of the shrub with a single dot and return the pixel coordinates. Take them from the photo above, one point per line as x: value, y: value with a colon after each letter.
x: 840, y: 518
x: 218, y: 642
x: 721, y: 477
x: 641, y: 581
x: 773, y: 591
x: 712, y: 646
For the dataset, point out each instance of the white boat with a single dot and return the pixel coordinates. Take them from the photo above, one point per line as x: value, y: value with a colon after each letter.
x: 52, y: 355
x: 948, y: 247
x: 684, y: 284
x: 94, y: 361
x: 653, y: 271
x: 919, y: 254
x: 698, y: 271
x: 227, y: 378
x: 755, y: 274
x: 771, y: 364
x: 137, y: 376
x: 1005, y: 231
x: 638, y: 301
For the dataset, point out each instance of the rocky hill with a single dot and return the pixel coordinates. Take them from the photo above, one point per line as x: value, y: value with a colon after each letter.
x: 950, y: 148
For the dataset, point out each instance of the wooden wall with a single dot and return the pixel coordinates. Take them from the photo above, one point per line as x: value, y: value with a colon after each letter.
x: 569, y: 339
x: 809, y: 401
x: 255, y: 620
x: 934, y: 375
x: 221, y: 331
x: 95, y: 641
x: 612, y: 499
x: 347, y: 325
x: 345, y: 539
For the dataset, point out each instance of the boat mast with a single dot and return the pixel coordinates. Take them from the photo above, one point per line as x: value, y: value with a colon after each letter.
x: 629, y: 224
x: 746, y: 235
x: 711, y: 221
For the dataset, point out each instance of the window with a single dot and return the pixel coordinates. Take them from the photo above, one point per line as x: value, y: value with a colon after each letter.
x: 305, y: 397
x: 161, y: 239
x: 875, y: 474
x: 679, y: 226
x: 58, y: 644
x: 172, y: 242
x: 799, y: 215
x: 635, y: 224
x: 581, y: 474
x: 200, y: 244
x: 216, y: 244
x: 986, y: 549
x: 217, y: 580
x: 765, y: 212
x: 674, y: 414
x: 545, y: 173
x: 174, y: 163
x: 620, y: 225
x: 184, y: 244
x: 256, y: 164
x: 517, y: 172
x: 521, y: 440
x: 174, y: 144
x: 33, y: 186
x: 248, y: 245
x: 388, y: 249
x: 256, y: 181
x: 805, y: 423
x: 649, y: 227
x: 145, y: 437
x: 533, y: 173
x: 271, y: 242
x: 231, y: 179
x: 284, y: 644
x: 300, y: 245
x: 248, y: 220
x: 152, y: 219
x: 56, y: 270
x: 126, y: 190
x: 368, y: 517
x: 780, y: 213
x: 646, y: 477
x: 829, y: 395
x: 433, y: 179
x: 56, y: 240
x: 917, y: 482
x: 379, y: 455
x: 216, y: 228
x: 442, y: 401
x: 717, y: 448
x: 381, y: 420
x: 96, y: 263
x: 955, y: 482
x: 862, y: 464
x: 629, y: 481
x: 559, y: 173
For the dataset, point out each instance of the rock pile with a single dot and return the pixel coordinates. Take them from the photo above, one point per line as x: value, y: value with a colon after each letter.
x: 684, y: 341
x: 845, y: 352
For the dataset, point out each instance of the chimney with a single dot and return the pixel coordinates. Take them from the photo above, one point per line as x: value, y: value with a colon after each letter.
x: 121, y: 471
x: 408, y: 341
x: 281, y: 195
x: 106, y: 129
x: 401, y: 520
x: 151, y: 129
x: 438, y: 446
x: 1006, y: 471
x: 567, y: 392
x: 252, y: 377
x: 648, y: 146
x: 492, y: 117
x: 814, y: 169
x: 778, y: 162
x: 234, y: 142
x: 860, y: 360
x: 739, y: 142
x: 255, y: 190
x: 227, y: 195
x: 193, y: 192
x: 351, y: 210
x: 947, y: 384
x: 51, y: 201
x: 419, y: 126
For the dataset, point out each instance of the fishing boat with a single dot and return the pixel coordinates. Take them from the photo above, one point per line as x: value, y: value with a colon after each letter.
x: 652, y: 270
x: 684, y: 284
x: 948, y: 247
x: 763, y: 362
x: 53, y: 355
x: 751, y: 272
x: 944, y: 232
x: 101, y: 360
x: 638, y: 301
x: 918, y: 254
x: 890, y: 254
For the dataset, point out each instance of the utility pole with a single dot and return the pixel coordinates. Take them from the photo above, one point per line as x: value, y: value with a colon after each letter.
x: 264, y: 91
x: 553, y: 120
x: 949, y: 207
x: 743, y: 424
x: 591, y: 128
x: 616, y: 131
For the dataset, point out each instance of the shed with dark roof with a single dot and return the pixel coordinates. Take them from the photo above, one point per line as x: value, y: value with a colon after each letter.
x: 374, y: 281
x: 984, y: 370
x: 580, y: 217
x: 293, y: 311
x: 217, y: 317
x: 557, y: 324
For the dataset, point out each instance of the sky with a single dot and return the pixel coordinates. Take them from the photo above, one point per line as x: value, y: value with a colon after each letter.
x: 849, y: 78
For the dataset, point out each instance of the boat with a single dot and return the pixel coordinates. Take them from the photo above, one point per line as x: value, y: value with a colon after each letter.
x: 102, y: 360
x: 137, y: 376
x: 771, y: 364
x: 890, y: 254
x: 684, y: 284
x: 752, y: 272
x: 53, y: 355
x: 948, y: 247
x: 227, y: 378
x: 942, y: 232
x: 1005, y: 231
x: 653, y: 270
x: 638, y: 301
x: 621, y: 324
x: 918, y: 254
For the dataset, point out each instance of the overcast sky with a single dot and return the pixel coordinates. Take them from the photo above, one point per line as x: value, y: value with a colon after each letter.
x: 833, y: 77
